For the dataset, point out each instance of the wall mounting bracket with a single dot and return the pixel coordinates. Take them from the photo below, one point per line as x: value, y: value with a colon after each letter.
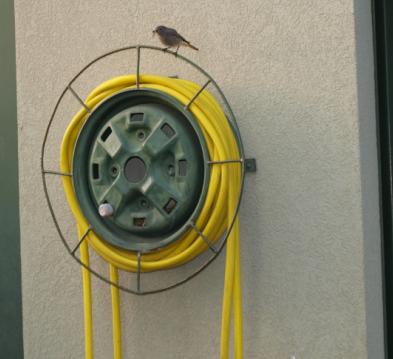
x: 250, y: 165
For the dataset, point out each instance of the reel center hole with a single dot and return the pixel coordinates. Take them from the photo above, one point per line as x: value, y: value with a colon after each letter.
x: 135, y: 169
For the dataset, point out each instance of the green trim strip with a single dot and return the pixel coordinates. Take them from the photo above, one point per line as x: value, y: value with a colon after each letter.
x: 11, y: 340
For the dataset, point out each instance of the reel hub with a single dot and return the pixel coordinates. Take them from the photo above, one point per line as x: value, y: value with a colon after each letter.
x: 143, y: 156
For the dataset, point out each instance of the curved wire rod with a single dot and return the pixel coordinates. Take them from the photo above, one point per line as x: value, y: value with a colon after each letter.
x: 138, y: 277
x: 205, y: 239
x: 49, y: 172
x: 79, y: 99
x: 81, y: 240
x: 186, y: 107
x: 138, y: 65
x: 225, y: 161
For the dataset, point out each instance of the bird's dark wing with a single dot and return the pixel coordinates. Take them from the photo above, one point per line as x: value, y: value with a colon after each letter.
x: 183, y: 39
x: 173, y: 32
x: 170, y: 31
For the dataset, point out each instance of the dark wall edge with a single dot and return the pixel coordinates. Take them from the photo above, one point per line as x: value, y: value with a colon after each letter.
x: 11, y: 332
x: 383, y: 49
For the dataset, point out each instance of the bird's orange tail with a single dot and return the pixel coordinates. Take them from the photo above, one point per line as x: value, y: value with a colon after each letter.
x: 192, y: 46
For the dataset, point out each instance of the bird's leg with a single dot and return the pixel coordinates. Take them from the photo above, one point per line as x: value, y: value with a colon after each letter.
x: 166, y: 48
x: 177, y: 49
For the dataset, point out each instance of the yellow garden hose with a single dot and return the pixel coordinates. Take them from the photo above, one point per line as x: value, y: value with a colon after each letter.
x: 215, y: 216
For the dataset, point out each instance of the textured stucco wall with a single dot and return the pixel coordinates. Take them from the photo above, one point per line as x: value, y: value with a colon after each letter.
x: 299, y: 76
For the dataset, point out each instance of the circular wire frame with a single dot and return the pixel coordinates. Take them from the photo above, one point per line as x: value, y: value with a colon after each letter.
x: 241, y: 161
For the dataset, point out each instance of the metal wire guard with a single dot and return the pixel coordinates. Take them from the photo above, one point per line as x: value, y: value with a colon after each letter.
x: 231, y: 120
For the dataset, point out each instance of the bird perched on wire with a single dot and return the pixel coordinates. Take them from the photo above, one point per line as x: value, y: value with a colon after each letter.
x: 171, y: 38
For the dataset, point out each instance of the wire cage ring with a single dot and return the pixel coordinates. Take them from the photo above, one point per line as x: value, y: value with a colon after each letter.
x: 215, y: 250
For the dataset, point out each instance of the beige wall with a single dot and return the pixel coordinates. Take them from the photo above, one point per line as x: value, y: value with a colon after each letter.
x: 299, y: 76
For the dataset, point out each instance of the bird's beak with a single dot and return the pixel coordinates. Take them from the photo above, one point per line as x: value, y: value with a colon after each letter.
x: 154, y: 32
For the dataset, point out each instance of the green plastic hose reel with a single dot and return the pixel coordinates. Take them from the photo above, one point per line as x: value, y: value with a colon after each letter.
x: 140, y: 169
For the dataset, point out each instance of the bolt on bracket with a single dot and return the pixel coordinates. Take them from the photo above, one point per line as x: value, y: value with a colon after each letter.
x: 250, y: 165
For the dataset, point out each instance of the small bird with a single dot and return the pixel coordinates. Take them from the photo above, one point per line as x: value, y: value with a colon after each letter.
x: 171, y: 38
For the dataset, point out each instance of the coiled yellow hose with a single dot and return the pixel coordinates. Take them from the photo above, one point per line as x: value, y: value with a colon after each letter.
x: 216, y: 214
